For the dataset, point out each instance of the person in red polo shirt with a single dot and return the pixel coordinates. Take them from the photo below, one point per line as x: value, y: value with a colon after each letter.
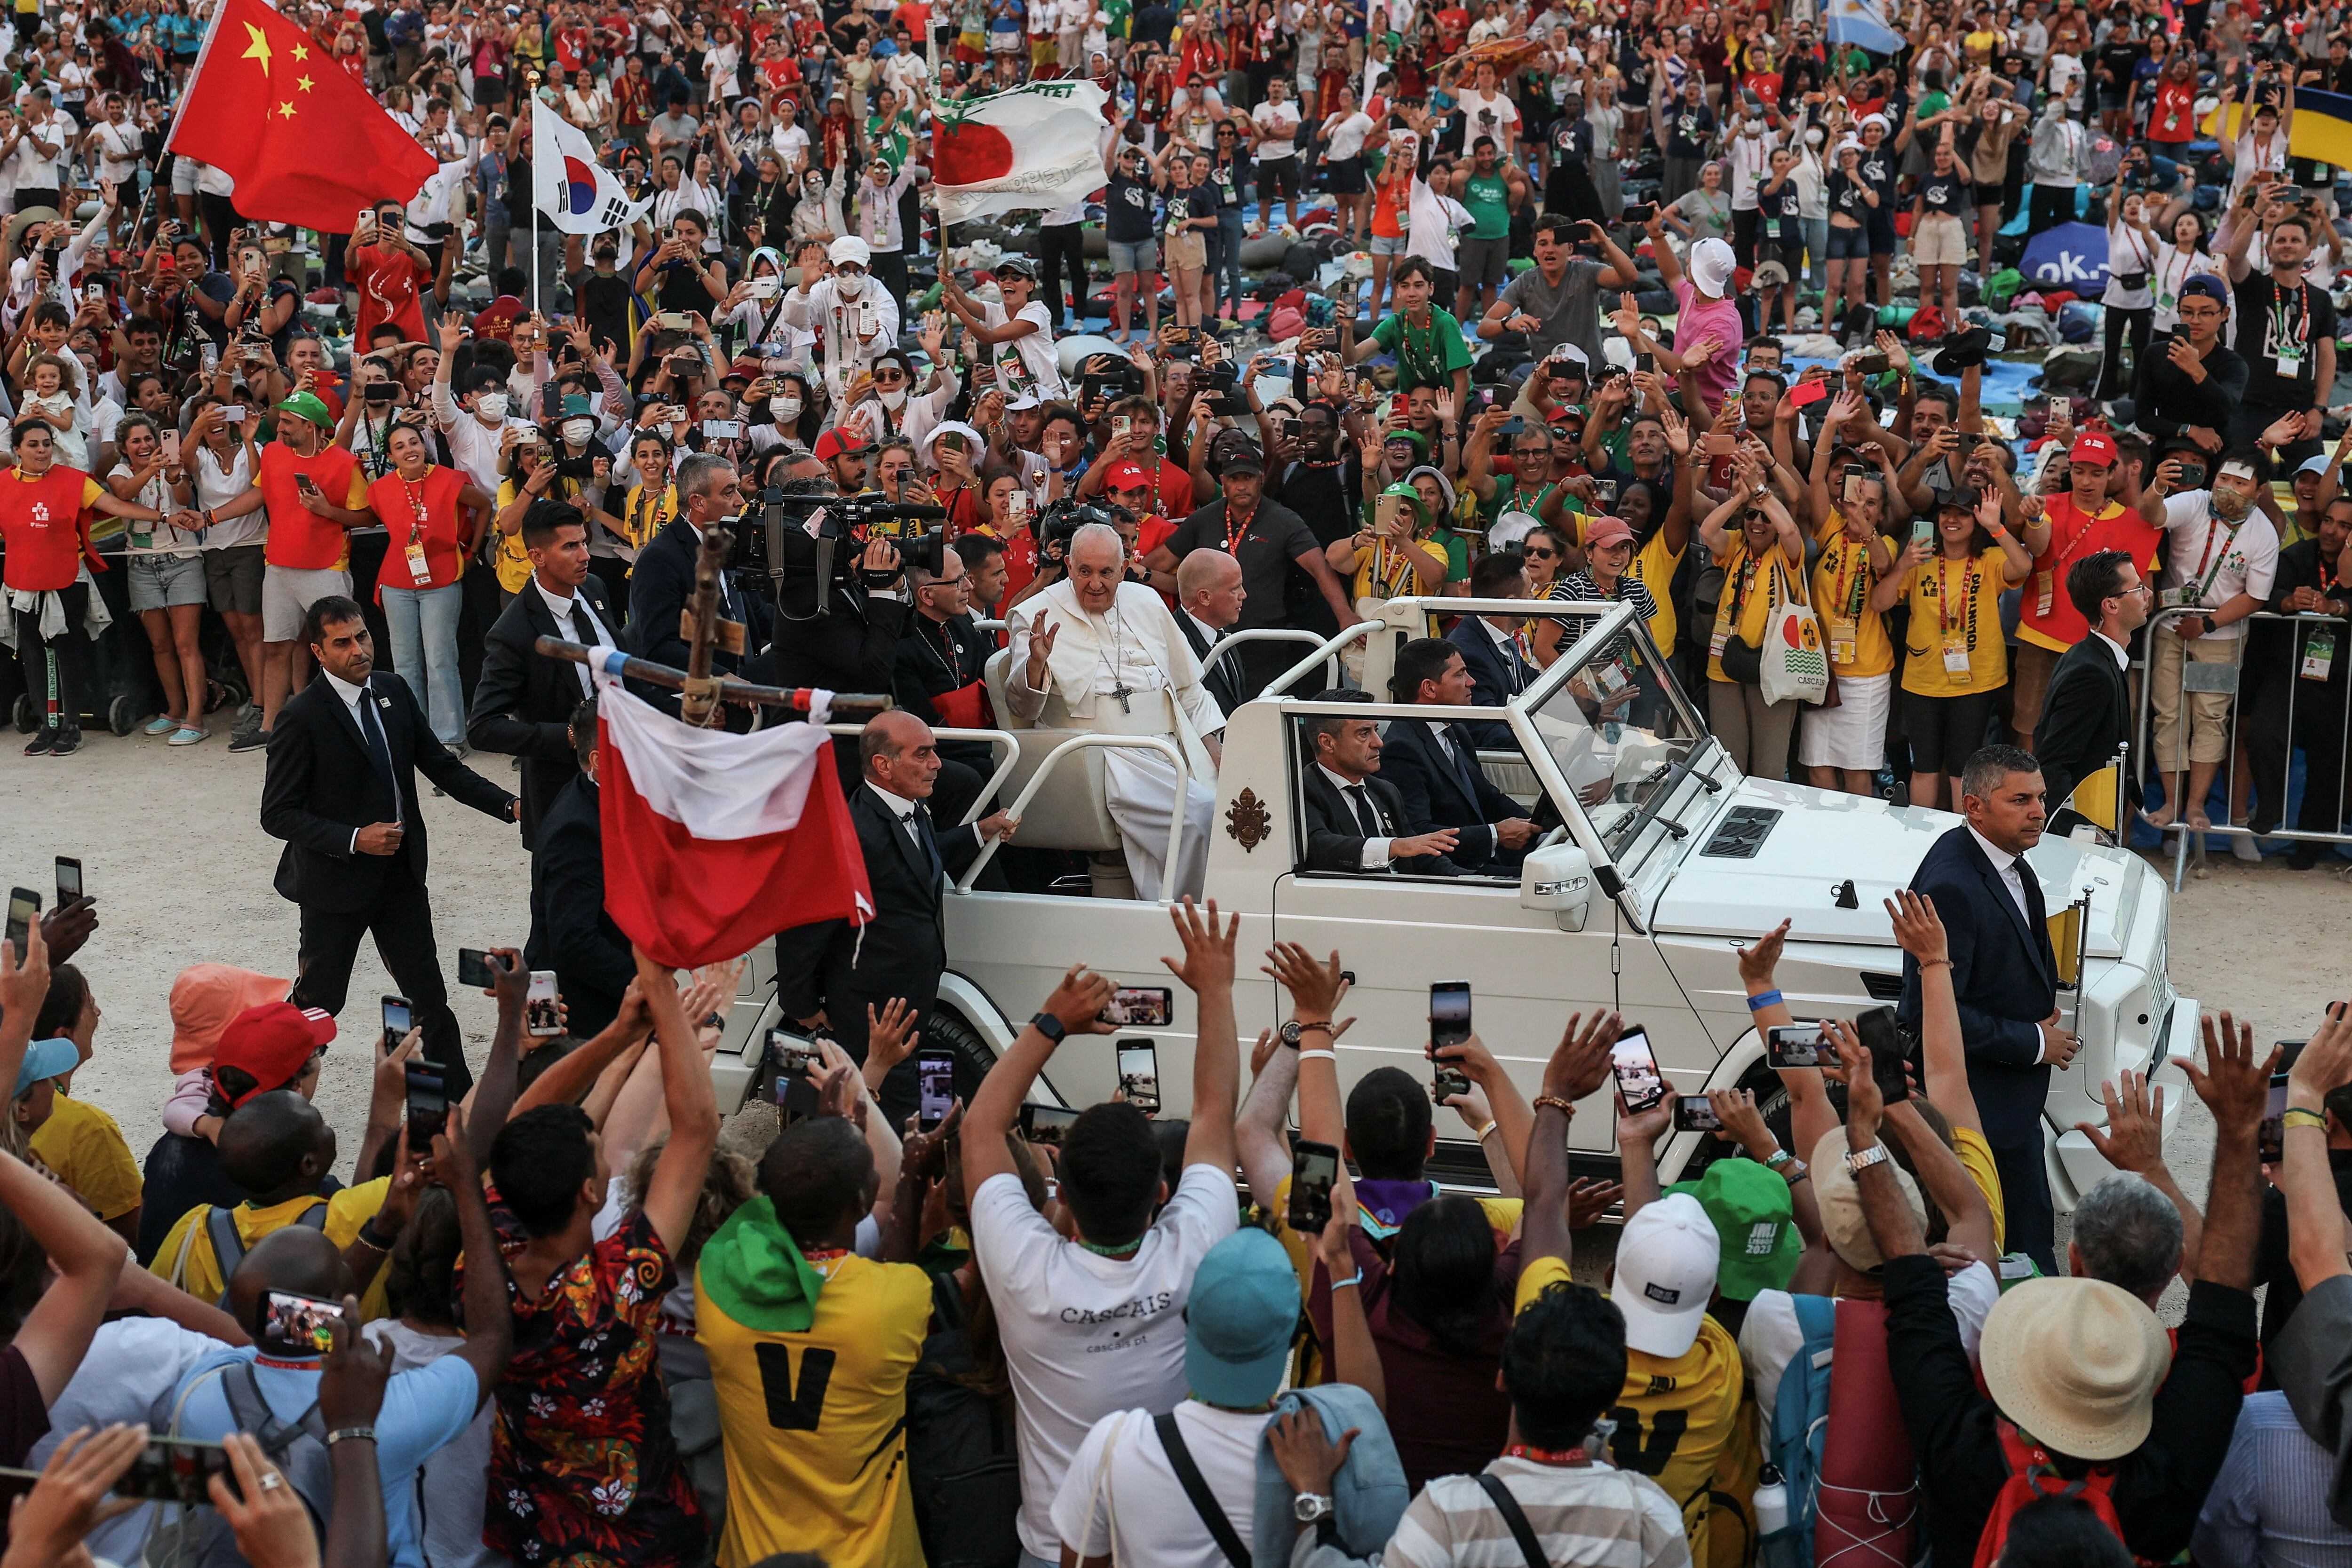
x: 2082, y: 522
x: 45, y: 510
x: 1128, y: 485
x: 316, y: 494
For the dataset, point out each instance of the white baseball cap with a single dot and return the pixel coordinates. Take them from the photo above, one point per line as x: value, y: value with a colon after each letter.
x: 849, y: 250
x: 1667, y: 1259
x: 1712, y: 262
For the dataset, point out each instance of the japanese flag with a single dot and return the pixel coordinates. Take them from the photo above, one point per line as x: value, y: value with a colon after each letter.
x: 714, y: 842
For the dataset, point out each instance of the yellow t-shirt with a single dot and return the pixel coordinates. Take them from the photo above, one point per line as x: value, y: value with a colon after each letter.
x: 1655, y: 565
x: 200, y: 1275
x: 1955, y: 604
x: 1843, y: 575
x: 1750, y: 583
x: 1976, y: 1157
x: 86, y: 1150
x: 512, y: 565
x: 831, y: 1476
x: 1676, y: 1417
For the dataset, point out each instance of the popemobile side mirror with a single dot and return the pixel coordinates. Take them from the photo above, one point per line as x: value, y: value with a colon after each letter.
x: 1558, y: 878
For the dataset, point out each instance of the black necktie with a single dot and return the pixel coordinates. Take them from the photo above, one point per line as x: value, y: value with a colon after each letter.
x: 379, y: 749
x: 1368, y: 818
x: 1460, y: 756
x: 925, y: 843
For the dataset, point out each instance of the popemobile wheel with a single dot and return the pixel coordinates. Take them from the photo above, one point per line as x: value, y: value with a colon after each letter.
x: 120, y: 717
x: 944, y: 1029
x: 23, y: 715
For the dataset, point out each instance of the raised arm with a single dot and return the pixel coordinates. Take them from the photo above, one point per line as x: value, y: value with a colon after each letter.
x: 677, y: 1185
x: 1076, y: 1005
x: 87, y: 1259
x: 1578, y: 1065
x: 2316, y: 1224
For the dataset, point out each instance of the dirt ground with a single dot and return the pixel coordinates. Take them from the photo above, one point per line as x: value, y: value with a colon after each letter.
x: 171, y: 846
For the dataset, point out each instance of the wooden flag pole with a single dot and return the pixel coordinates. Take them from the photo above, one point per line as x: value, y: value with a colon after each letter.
x: 730, y: 689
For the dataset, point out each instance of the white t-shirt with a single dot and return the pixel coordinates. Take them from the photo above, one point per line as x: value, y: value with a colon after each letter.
x: 791, y: 144
x: 1138, y: 1514
x: 1488, y: 115
x: 453, y: 1482
x: 1280, y: 123
x: 133, y: 1367
x: 1028, y: 363
x: 2205, y: 552
x: 1347, y: 138
x: 1769, y: 1337
x: 1085, y: 1335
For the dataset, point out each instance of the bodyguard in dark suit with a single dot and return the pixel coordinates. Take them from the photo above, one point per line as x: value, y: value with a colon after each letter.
x: 522, y: 705
x: 830, y: 967
x: 570, y: 932
x: 2086, y: 715
x: 1435, y: 766
x: 341, y: 790
x: 1491, y: 652
x: 1209, y: 598
x: 2004, y: 977
x: 1356, y: 821
x: 710, y: 492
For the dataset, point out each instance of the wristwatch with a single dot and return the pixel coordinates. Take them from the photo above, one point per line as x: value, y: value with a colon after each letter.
x: 1290, y: 1031
x: 1309, y: 1507
x: 1856, y: 1164
x: 1049, y: 1026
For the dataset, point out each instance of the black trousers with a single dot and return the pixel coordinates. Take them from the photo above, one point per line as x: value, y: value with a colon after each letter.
x: 2052, y: 206
x: 890, y: 266
x: 57, y: 669
x: 2114, y: 379
x: 2030, y: 1226
x: 2317, y: 728
x: 1743, y: 235
x: 402, y: 924
x: 1065, y: 245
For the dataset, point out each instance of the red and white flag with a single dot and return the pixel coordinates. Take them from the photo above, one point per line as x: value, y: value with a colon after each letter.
x: 714, y: 842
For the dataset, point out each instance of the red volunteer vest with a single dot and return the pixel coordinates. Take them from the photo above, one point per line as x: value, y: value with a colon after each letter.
x: 45, y: 529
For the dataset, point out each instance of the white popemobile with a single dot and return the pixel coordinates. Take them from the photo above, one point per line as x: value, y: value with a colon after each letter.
x: 1638, y: 901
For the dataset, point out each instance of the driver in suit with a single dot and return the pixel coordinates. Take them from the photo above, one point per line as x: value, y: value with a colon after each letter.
x: 1434, y: 766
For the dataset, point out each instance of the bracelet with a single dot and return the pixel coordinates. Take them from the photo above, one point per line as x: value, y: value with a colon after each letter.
x: 1318, y: 1056
x: 1355, y: 1279
x: 1778, y: 1158
x: 1927, y: 964
x: 353, y: 1434
x: 1762, y: 1000
x: 1565, y: 1107
x: 2303, y: 1117
x: 1800, y: 1173
x: 1481, y: 1134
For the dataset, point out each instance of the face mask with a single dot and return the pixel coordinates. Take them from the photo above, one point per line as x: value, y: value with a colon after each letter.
x: 491, y: 405
x: 577, y: 432
x: 894, y: 400
x: 783, y: 409
x: 849, y: 285
x: 2230, y: 506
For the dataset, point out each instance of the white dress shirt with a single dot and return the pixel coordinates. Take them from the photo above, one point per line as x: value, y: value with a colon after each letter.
x: 2121, y: 653
x: 576, y: 618
x: 2011, y: 878
x: 352, y: 696
x: 904, y: 809
x: 1376, y: 851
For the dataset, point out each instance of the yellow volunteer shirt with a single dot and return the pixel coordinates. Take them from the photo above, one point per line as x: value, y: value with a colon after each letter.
x: 1976, y: 1158
x: 1750, y: 583
x: 1843, y: 575
x: 1676, y: 1417
x: 200, y: 1273
x: 1955, y: 604
x: 86, y: 1150
x: 511, y: 563
x: 813, y: 1423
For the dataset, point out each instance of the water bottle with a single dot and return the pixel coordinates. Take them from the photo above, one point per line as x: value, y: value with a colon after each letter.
x: 1771, y: 1503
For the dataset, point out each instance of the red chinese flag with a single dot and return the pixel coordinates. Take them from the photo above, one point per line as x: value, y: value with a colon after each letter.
x: 303, y: 140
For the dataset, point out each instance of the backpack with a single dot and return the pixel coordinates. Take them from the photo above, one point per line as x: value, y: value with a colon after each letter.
x: 2030, y: 1476
x: 297, y: 1447
x: 961, y: 1463
x: 228, y: 1243
x: 1799, y: 1431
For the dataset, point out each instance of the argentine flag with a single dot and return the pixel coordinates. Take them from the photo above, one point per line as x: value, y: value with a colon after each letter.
x: 1862, y: 25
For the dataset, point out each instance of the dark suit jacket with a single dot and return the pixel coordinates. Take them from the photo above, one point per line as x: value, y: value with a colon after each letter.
x: 322, y: 784
x: 1499, y: 679
x: 523, y: 703
x: 1225, y: 681
x: 570, y: 932
x: 2085, y: 717
x: 854, y: 648
x: 2004, y: 976
x: 1438, y: 793
x: 905, y: 948
x: 1335, y: 838
x: 659, y: 587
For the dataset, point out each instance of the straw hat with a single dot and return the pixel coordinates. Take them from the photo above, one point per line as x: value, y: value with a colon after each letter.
x: 2075, y: 1363
x: 1840, y: 1203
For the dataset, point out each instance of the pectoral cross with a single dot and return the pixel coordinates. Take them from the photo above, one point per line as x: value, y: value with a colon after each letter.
x: 1123, y: 691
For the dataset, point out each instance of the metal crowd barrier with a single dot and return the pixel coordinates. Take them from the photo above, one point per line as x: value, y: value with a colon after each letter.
x: 2229, y: 679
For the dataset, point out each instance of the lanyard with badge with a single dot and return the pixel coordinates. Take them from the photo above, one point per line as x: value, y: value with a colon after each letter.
x: 2208, y: 566
x: 1855, y: 571
x: 1958, y: 627
x: 419, y: 573
x: 2289, y: 330
x: 2319, y: 642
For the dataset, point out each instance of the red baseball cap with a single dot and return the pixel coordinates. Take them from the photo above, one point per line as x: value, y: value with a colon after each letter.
x: 2093, y: 446
x: 833, y: 443
x: 1127, y: 477
x: 270, y: 1044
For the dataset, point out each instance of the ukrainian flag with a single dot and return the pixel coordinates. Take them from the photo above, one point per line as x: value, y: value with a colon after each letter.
x: 2322, y: 131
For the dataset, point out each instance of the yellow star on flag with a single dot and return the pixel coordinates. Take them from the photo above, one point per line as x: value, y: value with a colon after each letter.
x: 259, y: 50
x: 286, y: 109
x: 302, y: 82
x: 301, y: 53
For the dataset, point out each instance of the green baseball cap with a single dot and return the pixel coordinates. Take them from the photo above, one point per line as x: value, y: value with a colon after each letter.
x: 310, y: 406
x: 1750, y: 1206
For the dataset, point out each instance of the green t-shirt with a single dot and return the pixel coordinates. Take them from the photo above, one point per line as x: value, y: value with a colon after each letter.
x: 1426, y: 356
x: 1489, y: 201
x: 892, y: 138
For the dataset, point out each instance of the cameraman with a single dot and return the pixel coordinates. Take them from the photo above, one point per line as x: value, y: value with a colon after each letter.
x: 710, y: 492
x: 850, y: 642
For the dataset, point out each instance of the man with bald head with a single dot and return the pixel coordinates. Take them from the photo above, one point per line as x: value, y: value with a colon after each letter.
x: 830, y: 974
x: 1097, y: 652
x: 272, y: 1386
x: 279, y: 1152
x: 1209, y: 596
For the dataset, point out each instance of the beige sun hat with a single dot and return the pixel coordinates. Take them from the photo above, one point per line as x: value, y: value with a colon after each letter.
x: 1840, y: 1204
x: 2077, y: 1364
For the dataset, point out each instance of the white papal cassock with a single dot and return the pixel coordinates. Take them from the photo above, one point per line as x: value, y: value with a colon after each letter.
x: 1126, y: 672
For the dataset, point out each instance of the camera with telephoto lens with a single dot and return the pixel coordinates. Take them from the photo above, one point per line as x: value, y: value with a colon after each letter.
x: 1058, y: 524
x: 808, y: 545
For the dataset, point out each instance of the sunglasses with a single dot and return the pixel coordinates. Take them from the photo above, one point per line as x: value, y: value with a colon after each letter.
x: 1540, y: 554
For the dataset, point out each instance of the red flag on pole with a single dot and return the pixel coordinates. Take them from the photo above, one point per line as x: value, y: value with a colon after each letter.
x: 303, y: 140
